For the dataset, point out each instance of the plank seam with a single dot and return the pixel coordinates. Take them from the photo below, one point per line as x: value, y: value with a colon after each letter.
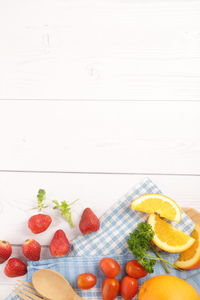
x: 94, y: 100
x: 98, y: 173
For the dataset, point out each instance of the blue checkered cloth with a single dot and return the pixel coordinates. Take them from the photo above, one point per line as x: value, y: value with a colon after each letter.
x: 110, y: 240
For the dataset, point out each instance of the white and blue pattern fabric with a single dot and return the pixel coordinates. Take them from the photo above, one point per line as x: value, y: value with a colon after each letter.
x: 110, y: 240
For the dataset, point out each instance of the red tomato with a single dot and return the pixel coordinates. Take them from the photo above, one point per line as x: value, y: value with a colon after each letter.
x: 128, y: 287
x: 135, y: 269
x: 86, y: 281
x: 110, y: 288
x: 109, y: 267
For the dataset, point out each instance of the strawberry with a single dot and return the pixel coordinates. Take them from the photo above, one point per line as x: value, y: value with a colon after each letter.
x: 15, y: 267
x: 39, y: 223
x: 5, y: 251
x: 31, y: 249
x: 59, y: 245
x: 89, y: 222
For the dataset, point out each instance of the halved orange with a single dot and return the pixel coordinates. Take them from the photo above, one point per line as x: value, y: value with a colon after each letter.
x: 160, y: 204
x: 190, y: 259
x: 168, y: 238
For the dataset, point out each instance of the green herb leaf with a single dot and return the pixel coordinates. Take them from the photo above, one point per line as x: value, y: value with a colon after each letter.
x: 148, y: 264
x: 138, y: 243
x: 65, y: 210
x: 40, y: 200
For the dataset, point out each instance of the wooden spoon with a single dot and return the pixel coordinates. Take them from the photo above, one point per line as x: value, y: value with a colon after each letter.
x: 52, y: 285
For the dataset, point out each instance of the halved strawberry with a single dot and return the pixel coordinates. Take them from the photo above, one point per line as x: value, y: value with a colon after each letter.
x: 39, y: 223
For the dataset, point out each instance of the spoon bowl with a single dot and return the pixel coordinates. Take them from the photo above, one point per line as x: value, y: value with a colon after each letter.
x: 52, y: 285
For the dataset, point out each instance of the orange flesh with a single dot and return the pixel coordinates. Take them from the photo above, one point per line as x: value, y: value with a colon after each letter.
x: 166, y: 233
x: 157, y: 205
x: 187, y: 255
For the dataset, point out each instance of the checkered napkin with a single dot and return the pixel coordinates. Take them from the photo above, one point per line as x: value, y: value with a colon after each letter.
x: 110, y: 240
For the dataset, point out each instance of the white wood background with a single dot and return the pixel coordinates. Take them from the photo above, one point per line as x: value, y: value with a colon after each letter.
x: 116, y: 98
x: 95, y: 151
x: 108, y: 49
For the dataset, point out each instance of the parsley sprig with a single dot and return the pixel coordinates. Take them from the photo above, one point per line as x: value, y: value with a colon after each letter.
x: 41, y: 197
x: 140, y: 242
x: 65, y: 210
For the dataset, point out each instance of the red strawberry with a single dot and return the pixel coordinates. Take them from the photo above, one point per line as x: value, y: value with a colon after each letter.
x: 15, y: 267
x: 89, y: 222
x: 39, y: 223
x: 31, y: 249
x: 59, y: 245
x: 5, y: 251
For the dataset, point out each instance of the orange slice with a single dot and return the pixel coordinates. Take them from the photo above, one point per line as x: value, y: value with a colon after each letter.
x: 160, y: 204
x: 190, y: 259
x: 167, y: 237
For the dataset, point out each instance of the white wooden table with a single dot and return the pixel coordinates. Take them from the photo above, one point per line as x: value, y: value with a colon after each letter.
x: 114, y: 88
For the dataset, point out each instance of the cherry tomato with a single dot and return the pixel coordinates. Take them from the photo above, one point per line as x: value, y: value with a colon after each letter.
x: 135, y: 269
x: 110, y: 288
x: 109, y: 267
x: 86, y: 281
x: 128, y: 287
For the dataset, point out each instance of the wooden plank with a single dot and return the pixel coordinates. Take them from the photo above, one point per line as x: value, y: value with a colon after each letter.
x: 5, y: 290
x: 100, y: 49
x: 119, y: 137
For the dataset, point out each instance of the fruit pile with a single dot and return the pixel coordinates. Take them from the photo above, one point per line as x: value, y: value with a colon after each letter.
x: 157, y: 232
x: 111, y: 287
x: 161, y: 287
x: 59, y: 245
x: 161, y: 209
